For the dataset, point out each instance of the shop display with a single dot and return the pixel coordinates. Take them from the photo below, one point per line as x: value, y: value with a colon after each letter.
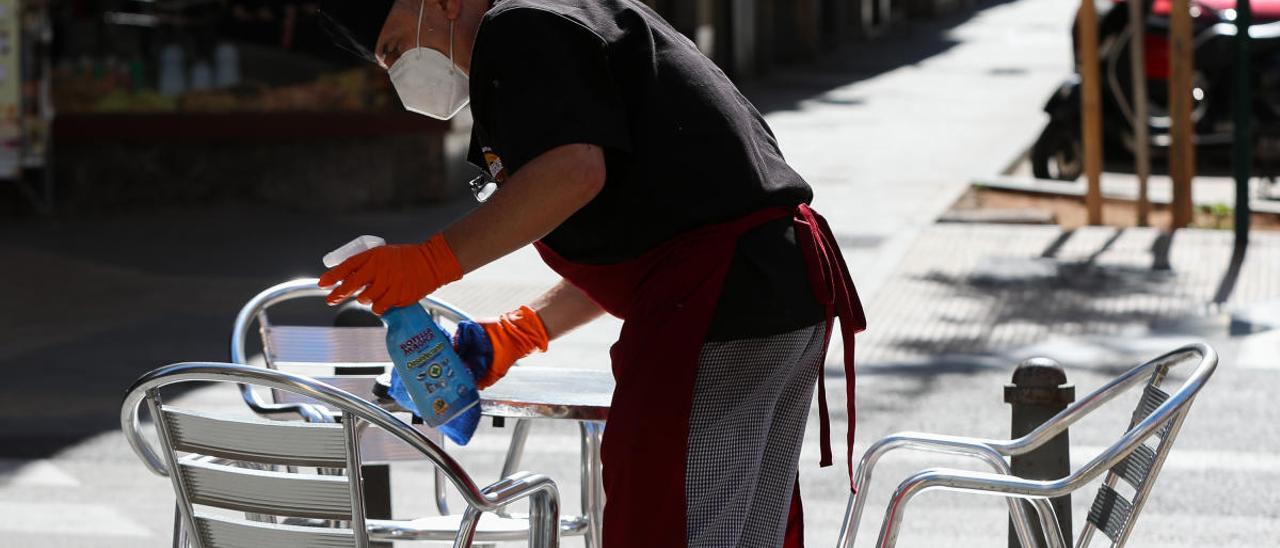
x: 201, y: 57
x: 10, y: 91
x: 102, y: 90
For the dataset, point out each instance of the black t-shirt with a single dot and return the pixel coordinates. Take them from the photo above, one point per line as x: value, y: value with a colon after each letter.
x: 683, y: 147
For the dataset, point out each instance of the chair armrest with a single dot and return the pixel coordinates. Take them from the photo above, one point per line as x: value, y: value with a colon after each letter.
x: 544, y: 518
x: 1004, y: 485
x: 544, y: 506
x: 955, y: 445
x: 293, y: 289
x: 1207, y: 361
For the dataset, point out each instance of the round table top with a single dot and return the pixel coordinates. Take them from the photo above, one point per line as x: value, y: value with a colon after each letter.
x: 524, y: 393
x: 553, y: 393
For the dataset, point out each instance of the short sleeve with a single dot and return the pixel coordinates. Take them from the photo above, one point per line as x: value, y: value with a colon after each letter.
x: 549, y: 84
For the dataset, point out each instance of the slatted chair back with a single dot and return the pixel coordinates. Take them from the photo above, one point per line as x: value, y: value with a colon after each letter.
x: 327, y: 347
x: 1128, y: 467
x: 315, y: 350
x: 310, y: 346
x: 1126, y: 486
x: 260, y: 467
x: 268, y: 469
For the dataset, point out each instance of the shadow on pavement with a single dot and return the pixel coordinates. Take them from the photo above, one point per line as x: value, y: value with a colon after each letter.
x: 96, y: 302
x: 905, y: 45
x: 1113, y: 299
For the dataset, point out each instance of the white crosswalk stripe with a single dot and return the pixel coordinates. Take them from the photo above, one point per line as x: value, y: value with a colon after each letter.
x: 1260, y: 351
x: 20, y: 473
x: 88, y: 520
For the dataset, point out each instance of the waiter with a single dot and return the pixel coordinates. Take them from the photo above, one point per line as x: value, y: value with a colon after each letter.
x: 656, y: 190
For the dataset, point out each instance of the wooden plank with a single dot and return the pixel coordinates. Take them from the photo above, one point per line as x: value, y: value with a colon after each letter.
x: 1182, y: 150
x: 1141, y: 124
x: 1019, y: 216
x: 1091, y: 107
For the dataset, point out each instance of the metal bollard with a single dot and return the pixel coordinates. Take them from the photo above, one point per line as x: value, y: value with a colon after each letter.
x: 1038, y: 392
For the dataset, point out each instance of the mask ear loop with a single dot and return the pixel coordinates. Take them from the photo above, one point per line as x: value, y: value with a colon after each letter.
x: 418, y: 37
x: 453, y: 66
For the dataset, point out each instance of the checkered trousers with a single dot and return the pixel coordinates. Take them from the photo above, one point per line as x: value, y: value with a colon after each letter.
x: 750, y: 403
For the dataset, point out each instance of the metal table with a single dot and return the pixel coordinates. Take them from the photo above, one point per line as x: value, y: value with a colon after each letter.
x: 541, y: 393
x: 581, y: 395
x: 547, y: 393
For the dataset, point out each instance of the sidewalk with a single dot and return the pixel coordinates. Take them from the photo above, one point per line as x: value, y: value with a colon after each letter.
x: 971, y: 301
x: 948, y: 325
x: 889, y: 133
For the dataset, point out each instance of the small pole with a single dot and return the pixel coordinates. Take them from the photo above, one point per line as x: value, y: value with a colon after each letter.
x: 1242, y: 149
x: 1038, y: 392
x: 1182, y: 150
x: 1141, y: 120
x: 1091, y: 108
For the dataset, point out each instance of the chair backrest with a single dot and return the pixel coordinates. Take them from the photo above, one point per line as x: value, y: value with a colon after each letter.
x: 317, y: 346
x: 268, y: 469
x: 1130, y: 459
x: 1129, y: 466
x: 321, y: 348
x: 1126, y: 485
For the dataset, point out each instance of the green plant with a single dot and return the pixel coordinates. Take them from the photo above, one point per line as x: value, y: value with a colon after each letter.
x: 1221, y: 213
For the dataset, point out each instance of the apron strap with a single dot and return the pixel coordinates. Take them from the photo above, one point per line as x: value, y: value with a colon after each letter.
x: 833, y: 288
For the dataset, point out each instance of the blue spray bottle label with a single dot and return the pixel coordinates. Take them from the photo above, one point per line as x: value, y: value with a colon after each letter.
x: 438, y: 383
x: 440, y: 387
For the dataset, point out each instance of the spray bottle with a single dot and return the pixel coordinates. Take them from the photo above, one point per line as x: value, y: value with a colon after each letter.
x: 439, y: 387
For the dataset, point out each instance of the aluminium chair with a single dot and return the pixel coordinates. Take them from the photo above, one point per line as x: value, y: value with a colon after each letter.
x: 317, y: 350
x: 295, y: 478
x: 1131, y: 464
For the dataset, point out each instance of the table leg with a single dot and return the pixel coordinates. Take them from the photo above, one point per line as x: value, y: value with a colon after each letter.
x: 592, y: 482
x: 377, y: 495
x: 514, y: 453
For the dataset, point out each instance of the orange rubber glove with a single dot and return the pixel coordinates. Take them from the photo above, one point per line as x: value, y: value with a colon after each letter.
x: 513, y: 335
x: 393, y: 275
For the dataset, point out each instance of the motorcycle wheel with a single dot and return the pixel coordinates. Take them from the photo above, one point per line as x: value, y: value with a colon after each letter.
x: 1057, y: 154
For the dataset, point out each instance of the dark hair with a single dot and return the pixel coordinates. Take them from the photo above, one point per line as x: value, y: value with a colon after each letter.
x: 354, y: 25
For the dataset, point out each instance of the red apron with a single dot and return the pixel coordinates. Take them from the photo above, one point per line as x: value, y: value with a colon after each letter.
x: 667, y: 297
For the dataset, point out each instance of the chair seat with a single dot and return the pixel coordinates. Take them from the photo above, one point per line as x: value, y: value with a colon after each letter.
x: 493, y: 528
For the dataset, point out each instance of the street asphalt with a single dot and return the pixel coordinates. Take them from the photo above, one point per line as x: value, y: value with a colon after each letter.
x: 889, y: 133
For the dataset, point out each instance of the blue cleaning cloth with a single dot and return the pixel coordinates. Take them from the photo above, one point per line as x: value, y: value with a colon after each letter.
x: 473, y: 346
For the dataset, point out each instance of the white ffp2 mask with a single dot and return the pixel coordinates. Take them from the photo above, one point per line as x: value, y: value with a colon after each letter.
x: 429, y: 83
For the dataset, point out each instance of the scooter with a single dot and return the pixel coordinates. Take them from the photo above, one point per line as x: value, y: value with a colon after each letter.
x: 1057, y: 153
